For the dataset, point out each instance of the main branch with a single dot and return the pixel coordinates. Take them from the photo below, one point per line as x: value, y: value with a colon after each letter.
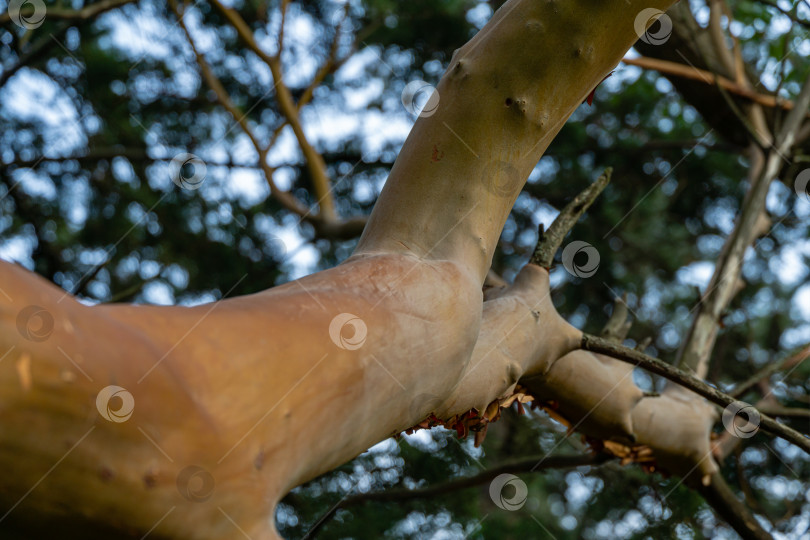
x: 654, y: 365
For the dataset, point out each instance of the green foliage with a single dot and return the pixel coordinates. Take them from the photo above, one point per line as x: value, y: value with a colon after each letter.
x: 87, y: 201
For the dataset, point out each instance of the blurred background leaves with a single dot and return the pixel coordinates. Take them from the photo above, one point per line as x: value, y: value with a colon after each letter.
x: 93, y: 109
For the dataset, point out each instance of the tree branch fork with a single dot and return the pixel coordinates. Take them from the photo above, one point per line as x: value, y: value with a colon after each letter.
x: 519, y: 337
x: 576, y: 386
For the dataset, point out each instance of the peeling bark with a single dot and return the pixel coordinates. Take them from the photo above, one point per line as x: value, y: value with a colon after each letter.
x: 255, y: 395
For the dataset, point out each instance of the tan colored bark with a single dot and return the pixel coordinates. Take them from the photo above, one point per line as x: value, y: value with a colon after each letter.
x: 699, y: 342
x: 693, y: 73
x: 521, y: 335
x: 503, y: 98
x: 595, y: 394
x: 252, y: 390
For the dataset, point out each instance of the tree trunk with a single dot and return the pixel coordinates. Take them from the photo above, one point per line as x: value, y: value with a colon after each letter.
x: 216, y: 411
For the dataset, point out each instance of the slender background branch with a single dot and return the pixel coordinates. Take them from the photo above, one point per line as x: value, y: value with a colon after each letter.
x: 527, y: 465
x: 654, y: 365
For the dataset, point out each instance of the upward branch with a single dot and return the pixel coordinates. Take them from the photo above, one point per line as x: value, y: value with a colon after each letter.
x: 285, y: 198
x: 699, y: 342
x: 550, y: 241
x: 288, y: 108
x: 493, y: 114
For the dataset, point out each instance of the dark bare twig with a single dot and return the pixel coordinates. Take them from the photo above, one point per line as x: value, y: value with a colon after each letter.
x: 769, y: 370
x: 668, y: 67
x: 659, y: 367
x: 619, y: 324
x: 549, y: 241
x: 790, y: 14
x: 87, y: 12
x: 720, y: 497
x: 528, y: 465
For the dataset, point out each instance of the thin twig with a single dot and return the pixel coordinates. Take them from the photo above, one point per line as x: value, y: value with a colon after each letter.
x: 534, y: 464
x: 135, y: 155
x: 283, y: 8
x: 330, y: 65
x: 699, y: 342
x: 740, y: 75
x: 754, y: 118
x: 549, y: 242
x: 619, y: 324
x: 725, y: 503
x: 717, y: 37
x: 654, y: 365
x: 286, y: 199
x: 696, y: 74
x: 793, y: 17
x: 742, y: 388
x: 786, y: 412
x: 315, y: 162
x: 87, y: 12
x: 697, y: 345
